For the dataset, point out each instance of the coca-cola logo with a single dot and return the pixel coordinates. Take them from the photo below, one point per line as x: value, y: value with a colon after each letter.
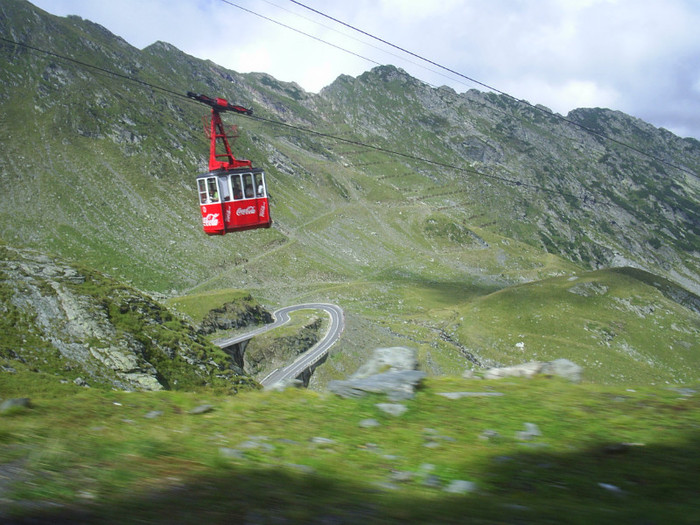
x: 211, y: 220
x: 250, y: 210
x: 262, y: 209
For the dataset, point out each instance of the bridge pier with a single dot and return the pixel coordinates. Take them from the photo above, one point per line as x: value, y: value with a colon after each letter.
x: 305, y: 376
x: 237, y: 351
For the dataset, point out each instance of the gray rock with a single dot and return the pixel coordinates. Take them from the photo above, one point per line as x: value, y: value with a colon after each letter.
x: 256, y: 445
x: 383, y: 485
x: 434, y: 437
x: 459, y: 395
x: 685, y: 392
x: 249, y: 445
x: 154, y: 414
x: 393, y: 409
x: 531, y: 431
x: 563, y: 368
x: 398, y: 385
x: 488, y: 435
x: 401, y: 476
x: 201, y: 409
x: 368, y: 423
x: 610, y: 488
x: 394, y: 359
x: 80, y: 382
x: 524, y: 370
x: 589, y: 289
x: 231, y: 453
x: 322, y: 441
x: 304, y: 469
x: 391, y: 371
x: 142, y: 380
x: 559, y: 367
x: 432, y: 481
x: 460, y: 486
x: 21, y: 402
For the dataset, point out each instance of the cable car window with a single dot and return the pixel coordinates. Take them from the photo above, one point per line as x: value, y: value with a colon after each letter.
x: 202, y: 187
x: 236, y: 184
x: 260, y: 184
x: 248, y: 185
x: 212, y: 190
x: 225, y: 189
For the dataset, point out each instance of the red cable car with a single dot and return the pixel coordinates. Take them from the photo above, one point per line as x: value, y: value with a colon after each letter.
x: 233, y: 194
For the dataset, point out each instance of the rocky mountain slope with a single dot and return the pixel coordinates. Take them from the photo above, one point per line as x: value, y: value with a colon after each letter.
x: 66, y: 323
x: 420, y: 201
x: 110, y: 164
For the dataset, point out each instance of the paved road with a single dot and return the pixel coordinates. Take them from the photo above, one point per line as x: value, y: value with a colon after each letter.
x: 308, y: 358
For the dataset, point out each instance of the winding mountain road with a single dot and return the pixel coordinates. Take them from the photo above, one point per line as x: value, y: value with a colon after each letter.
x: 308, y: 358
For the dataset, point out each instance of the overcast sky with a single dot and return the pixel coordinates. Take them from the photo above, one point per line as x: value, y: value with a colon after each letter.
x: 637, y: 56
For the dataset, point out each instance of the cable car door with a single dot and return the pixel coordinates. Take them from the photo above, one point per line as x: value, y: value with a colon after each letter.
x: 210, y: 205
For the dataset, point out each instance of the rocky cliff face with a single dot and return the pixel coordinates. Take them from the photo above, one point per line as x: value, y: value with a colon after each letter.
x: 630, y: 198
x: 234, y: 315
x: 63, y: 321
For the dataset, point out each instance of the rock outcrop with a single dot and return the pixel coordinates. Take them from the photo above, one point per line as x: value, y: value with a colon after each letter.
x: 82, y: 326
x: 391, y: 371
x: 234, y: 315
x: 559, y: 367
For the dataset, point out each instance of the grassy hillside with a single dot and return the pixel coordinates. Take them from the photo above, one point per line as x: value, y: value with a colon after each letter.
x: 64, y: 323
x: 113, y: 173
x: 596, y: 455
x: 616, y: 324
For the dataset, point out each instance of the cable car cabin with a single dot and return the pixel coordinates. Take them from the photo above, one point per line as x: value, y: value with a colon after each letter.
x: 233, y: 200
x: 233, y: 194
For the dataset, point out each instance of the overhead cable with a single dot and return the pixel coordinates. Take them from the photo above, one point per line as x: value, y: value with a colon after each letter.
x: 299, y: 31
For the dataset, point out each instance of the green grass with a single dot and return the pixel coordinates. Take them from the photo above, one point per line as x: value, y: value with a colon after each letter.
x: 96, y: 455
x: 197, y: 306
x: 615, y: 324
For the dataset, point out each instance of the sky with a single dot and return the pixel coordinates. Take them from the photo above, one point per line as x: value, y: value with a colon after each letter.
x: 641, y: 57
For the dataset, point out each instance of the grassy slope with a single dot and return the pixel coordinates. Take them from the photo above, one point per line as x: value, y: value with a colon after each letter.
x: 197, y: 306
x: 617, y: 325
x: 94, y: 450
x: 45, y: 328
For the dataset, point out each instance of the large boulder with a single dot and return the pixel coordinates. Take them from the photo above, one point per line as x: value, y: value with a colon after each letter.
x: 563, y: 368
x: 530, y: 369
x: 397, y: 385
x: 559, y: 367
x: 390, y: 371
x: 392, y: 359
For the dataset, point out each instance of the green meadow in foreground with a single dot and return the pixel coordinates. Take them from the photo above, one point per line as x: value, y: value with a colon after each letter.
x: 521, y: 451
